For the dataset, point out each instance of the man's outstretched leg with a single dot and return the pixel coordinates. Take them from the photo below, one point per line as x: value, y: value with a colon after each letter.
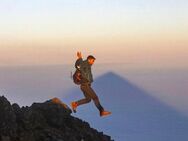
x: 85, y: 100
x: 89, y: 94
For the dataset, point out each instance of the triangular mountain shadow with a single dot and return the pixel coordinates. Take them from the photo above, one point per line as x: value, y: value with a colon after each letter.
x: 136, y: 114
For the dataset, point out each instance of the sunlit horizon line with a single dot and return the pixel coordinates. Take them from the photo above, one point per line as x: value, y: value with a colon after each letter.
x: 130, y: 64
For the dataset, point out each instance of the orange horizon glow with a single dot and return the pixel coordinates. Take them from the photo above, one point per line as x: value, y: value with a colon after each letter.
x: 121, y: 31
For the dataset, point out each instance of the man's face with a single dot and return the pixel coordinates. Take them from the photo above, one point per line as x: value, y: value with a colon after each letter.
x: 91, y: 61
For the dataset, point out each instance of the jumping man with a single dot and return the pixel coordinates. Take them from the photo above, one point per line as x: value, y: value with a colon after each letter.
x: 87, y: 79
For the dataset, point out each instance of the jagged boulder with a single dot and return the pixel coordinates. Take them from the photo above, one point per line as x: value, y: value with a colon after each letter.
x: 48, y: 121
x: 8, y: 124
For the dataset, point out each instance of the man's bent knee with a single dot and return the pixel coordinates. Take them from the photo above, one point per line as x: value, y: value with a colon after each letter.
x: 95, y: 98
x: 88, y: 100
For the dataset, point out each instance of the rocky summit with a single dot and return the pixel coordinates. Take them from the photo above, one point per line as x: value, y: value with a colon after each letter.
x: 48, y: 121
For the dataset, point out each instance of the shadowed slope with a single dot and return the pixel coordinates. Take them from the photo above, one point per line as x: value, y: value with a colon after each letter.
x: 48, y: 121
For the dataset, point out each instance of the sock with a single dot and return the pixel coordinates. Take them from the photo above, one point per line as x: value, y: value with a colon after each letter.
x: 100, y: 108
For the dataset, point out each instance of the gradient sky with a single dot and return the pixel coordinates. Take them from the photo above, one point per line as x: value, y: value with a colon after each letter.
x: 44, y: 32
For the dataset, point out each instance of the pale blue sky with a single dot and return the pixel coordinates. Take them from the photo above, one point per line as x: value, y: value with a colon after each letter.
x: 92, y: 26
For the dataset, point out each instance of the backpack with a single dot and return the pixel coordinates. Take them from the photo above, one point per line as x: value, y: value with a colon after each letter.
x: 77, y: 77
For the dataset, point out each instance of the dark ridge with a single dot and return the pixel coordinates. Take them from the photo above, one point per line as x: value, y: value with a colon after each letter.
x: 48, y: 121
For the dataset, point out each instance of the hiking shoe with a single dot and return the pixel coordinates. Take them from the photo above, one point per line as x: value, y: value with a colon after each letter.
x: 104, y: 113
x: 74, y: 105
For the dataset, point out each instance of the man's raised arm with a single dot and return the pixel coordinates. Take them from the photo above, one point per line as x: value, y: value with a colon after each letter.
x: 79, y: 60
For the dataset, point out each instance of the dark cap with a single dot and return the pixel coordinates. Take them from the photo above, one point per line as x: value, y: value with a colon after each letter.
x: 91, y: 57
